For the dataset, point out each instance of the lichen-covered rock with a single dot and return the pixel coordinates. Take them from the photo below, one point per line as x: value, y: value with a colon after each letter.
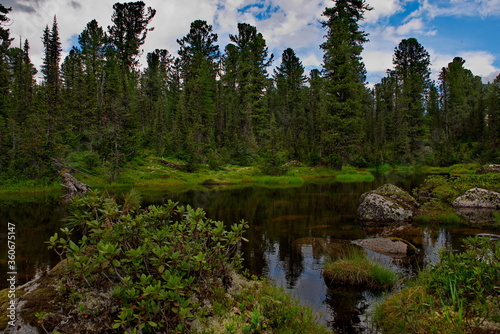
x: 387, y: 203
x: 489, y: 169
x: 478, y: 198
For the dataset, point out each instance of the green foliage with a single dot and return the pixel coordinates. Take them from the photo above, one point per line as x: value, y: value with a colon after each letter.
x: 273, y: 163
x: 455, y: 295
x: 446, y: 189
x: 155, y: 260
x: 215, y: 108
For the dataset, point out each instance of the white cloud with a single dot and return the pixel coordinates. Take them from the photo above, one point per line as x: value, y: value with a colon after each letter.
x: 291, y: 23
x: 480, y: 63
x: 382, y: 9
x: 482, y: 8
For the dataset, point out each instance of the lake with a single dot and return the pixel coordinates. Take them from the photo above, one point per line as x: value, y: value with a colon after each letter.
x: 288, y: 227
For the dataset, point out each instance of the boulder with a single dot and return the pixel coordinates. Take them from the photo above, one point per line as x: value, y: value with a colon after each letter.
x: 489, y: 169
x: 387, y: 203
x: 478, y: 198
x: 386, y: 246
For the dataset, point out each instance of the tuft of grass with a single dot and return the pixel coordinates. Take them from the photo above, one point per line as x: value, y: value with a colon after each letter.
x: 435, y: 211
x: 356, y: 269
x: 260, y: 307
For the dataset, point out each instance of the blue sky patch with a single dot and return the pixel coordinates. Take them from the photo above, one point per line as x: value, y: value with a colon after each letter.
x: 260, y: 10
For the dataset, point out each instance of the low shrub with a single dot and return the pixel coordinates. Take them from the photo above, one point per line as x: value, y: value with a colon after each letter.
x: 162, y: 269
x: 159, y: 262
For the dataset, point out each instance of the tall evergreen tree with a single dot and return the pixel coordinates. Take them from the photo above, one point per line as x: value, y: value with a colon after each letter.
x: 289, y: 77
x: 4, y: 70
x: 345, y: 75
x: 199, y: 59
x: 157, y: 116
x: 129, y: 30
x: 92, y: 43
x: 412, y: 71
x: 250, y: 58
x: 51, y: 77
x: 121, y: 83
x: 460, y: 98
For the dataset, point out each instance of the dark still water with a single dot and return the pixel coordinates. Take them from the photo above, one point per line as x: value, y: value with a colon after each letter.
x: 289, y: 231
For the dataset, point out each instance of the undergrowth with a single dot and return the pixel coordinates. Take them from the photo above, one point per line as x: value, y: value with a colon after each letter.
x: 161, y: 269
x: 460, y: 294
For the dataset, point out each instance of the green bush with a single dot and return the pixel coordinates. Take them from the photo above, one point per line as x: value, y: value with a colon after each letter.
x: 159, y: 262
x: 273, y: 163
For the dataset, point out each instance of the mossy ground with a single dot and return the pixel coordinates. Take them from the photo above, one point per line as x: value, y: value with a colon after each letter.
x: 151, y: 172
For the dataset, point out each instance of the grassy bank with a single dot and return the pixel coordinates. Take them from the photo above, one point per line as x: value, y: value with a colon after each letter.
x: 460, y: 294
x: 172, y: 173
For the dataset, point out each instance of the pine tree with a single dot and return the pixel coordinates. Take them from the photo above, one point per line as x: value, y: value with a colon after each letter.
x: 246, y: 62
x: 157, y: 116
x: 51, y: 77
x: 345, y: 75
x: 290, y: 79
x: 412, y: 71
x: 129, y: 30
x: 199, y: 59
x: 460, y: 97
x: 92, y: 43
x: 4, y: 70
x: 122, y: 116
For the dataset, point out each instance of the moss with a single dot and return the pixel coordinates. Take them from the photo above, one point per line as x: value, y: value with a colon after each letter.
x: 46, y: 299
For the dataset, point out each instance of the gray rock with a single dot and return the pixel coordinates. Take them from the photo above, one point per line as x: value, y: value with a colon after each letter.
x: 478, y: 198
x: 393, y: 248
x: 387, y: 203
x: 489, y: 169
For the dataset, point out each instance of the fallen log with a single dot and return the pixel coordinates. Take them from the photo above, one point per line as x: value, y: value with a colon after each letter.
x: 72, y: 185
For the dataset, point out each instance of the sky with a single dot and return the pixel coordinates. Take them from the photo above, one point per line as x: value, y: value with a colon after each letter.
x: 445, y: 28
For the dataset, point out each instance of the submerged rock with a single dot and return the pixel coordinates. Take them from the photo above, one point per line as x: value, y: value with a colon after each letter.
x: 388, y: 246
x: 478, y: 198
x: 387, y: 203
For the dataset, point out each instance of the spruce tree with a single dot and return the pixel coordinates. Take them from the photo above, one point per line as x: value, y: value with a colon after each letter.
x: 250, y: 58
x: 51, y: 77
x: 199, y: 59
x: 345, y: 77
x: 412, y: 71
x: 289, y: 77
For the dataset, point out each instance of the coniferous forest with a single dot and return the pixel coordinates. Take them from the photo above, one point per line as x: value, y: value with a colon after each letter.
x: 207, y: 105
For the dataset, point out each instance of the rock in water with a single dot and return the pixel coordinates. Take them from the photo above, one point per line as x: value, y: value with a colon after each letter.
x: 478, y: 198
x: 387, y: 203
x: 394, y: 248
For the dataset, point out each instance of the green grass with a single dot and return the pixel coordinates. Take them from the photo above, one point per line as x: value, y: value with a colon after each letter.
x: 435, y: 211
x: 454, y: 296
x: 149, y: 172
x: 259, y: 307
x: 356, y: 269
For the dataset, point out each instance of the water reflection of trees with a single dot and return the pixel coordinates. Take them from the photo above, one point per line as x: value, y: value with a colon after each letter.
x: 36, y: 219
